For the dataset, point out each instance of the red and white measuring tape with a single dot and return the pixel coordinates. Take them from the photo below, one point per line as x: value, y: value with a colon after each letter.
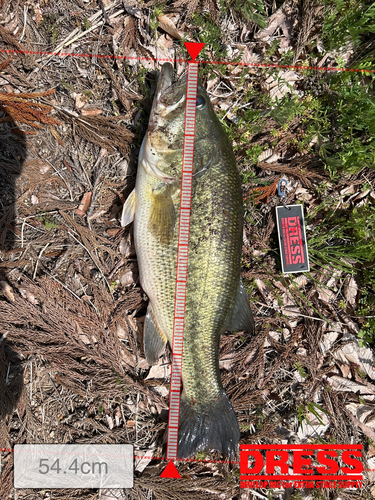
x: 182, y: 260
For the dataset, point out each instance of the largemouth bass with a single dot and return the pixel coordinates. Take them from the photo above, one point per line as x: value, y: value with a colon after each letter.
x: 216, y: 300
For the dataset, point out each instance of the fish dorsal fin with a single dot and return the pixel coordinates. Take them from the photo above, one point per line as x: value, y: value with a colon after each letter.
x: 153, y: 339
x: 128, y: 210
x: 162, y: 214
x: 241, y: 317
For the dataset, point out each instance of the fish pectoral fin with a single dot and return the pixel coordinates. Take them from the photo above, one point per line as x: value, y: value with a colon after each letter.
x: 128, y: 210
x: 242, y: 317
x: 162, y: 214
x: 154, y: 340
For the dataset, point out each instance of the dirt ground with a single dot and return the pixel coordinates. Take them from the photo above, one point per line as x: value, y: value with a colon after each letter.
x: 72, y: 368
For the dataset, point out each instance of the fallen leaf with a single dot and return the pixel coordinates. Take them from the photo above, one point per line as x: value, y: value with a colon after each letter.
x: 113, y: 231
x: 44, y: 168
x: 81, y: 100
x: 109, y: 421
x: 161, y: 371
x: 351, y: 290
x: 168, y: 25
x: 345, y: 385
x: 91, y: 112
x: 165, y: 42
x: 127, y: 278
x: 366, y: 429
x: 325, y: 293
x: 278, y: 87
x: 85, y: 203
x: 351, y: 352
x: 249, y: 57
x: 28, y: 296
x: 7, y: 290
x: 146, y: 457
x: 362, y: 411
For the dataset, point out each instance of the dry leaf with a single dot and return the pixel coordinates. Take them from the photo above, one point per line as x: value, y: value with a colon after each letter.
x: 91, y: 112
x: 141, y: 464
x: 324, y: 293
x: 109, y: 421
x: 345, y: 385
x: 167, y: 25
x: 7, y: 290
x: 161, y: 371
x: 85, y: 203
x: 44, y: 168
x: 367, y: 430
x: 113, y: 231
x: 351, y: 290
x: 362, y: 411
x: 127, y: 278
x: 280, y: 86
x: 249, y: 57
x: 81, y: 100
x: 26, y: 294
x: 362, y: 357
x: 165, y: 42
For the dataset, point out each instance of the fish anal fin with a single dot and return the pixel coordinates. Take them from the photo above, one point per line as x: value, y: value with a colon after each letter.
x: 154, y: 340
x: 162, y: 217
x: 128, y: 210
x: 241, y: 318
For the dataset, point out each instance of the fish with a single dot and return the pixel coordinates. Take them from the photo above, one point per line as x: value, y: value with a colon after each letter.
x: 216, y: 299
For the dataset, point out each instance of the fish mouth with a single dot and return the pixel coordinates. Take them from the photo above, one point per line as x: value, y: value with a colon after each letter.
x: 162, y: 104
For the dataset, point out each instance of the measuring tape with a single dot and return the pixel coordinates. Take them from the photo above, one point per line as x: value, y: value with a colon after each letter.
x: 182, y: 260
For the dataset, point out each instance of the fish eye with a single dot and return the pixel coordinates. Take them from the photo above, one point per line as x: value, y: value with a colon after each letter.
x: 201, y: 102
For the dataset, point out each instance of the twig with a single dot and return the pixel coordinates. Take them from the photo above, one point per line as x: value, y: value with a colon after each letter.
x: 58, y: 173
x: 94, y: 260
x: 38, y: 259
x: 279, y: 308
x: 24, y: 22
x: 93, y: 18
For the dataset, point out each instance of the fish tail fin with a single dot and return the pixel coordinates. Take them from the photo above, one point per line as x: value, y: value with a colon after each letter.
x: 214, y: 427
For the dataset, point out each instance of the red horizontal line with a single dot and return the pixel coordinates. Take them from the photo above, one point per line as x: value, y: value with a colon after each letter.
x: 244, y: 447
x: 228, y: 63
x: 138, y: 457
x: 307, y: 478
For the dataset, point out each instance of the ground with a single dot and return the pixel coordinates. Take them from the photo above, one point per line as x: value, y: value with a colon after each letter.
x: 72, y: 369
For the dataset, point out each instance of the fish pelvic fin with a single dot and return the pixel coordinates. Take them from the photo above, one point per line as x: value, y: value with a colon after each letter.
x: 128, y: 210
x: 153, y: 339
x: 162, y: 214
x: 212, y: 427
x: 241, y: 318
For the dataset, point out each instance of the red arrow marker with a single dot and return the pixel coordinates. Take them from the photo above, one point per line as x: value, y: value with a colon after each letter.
x: 170, y: 471
x: 193, y: 48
